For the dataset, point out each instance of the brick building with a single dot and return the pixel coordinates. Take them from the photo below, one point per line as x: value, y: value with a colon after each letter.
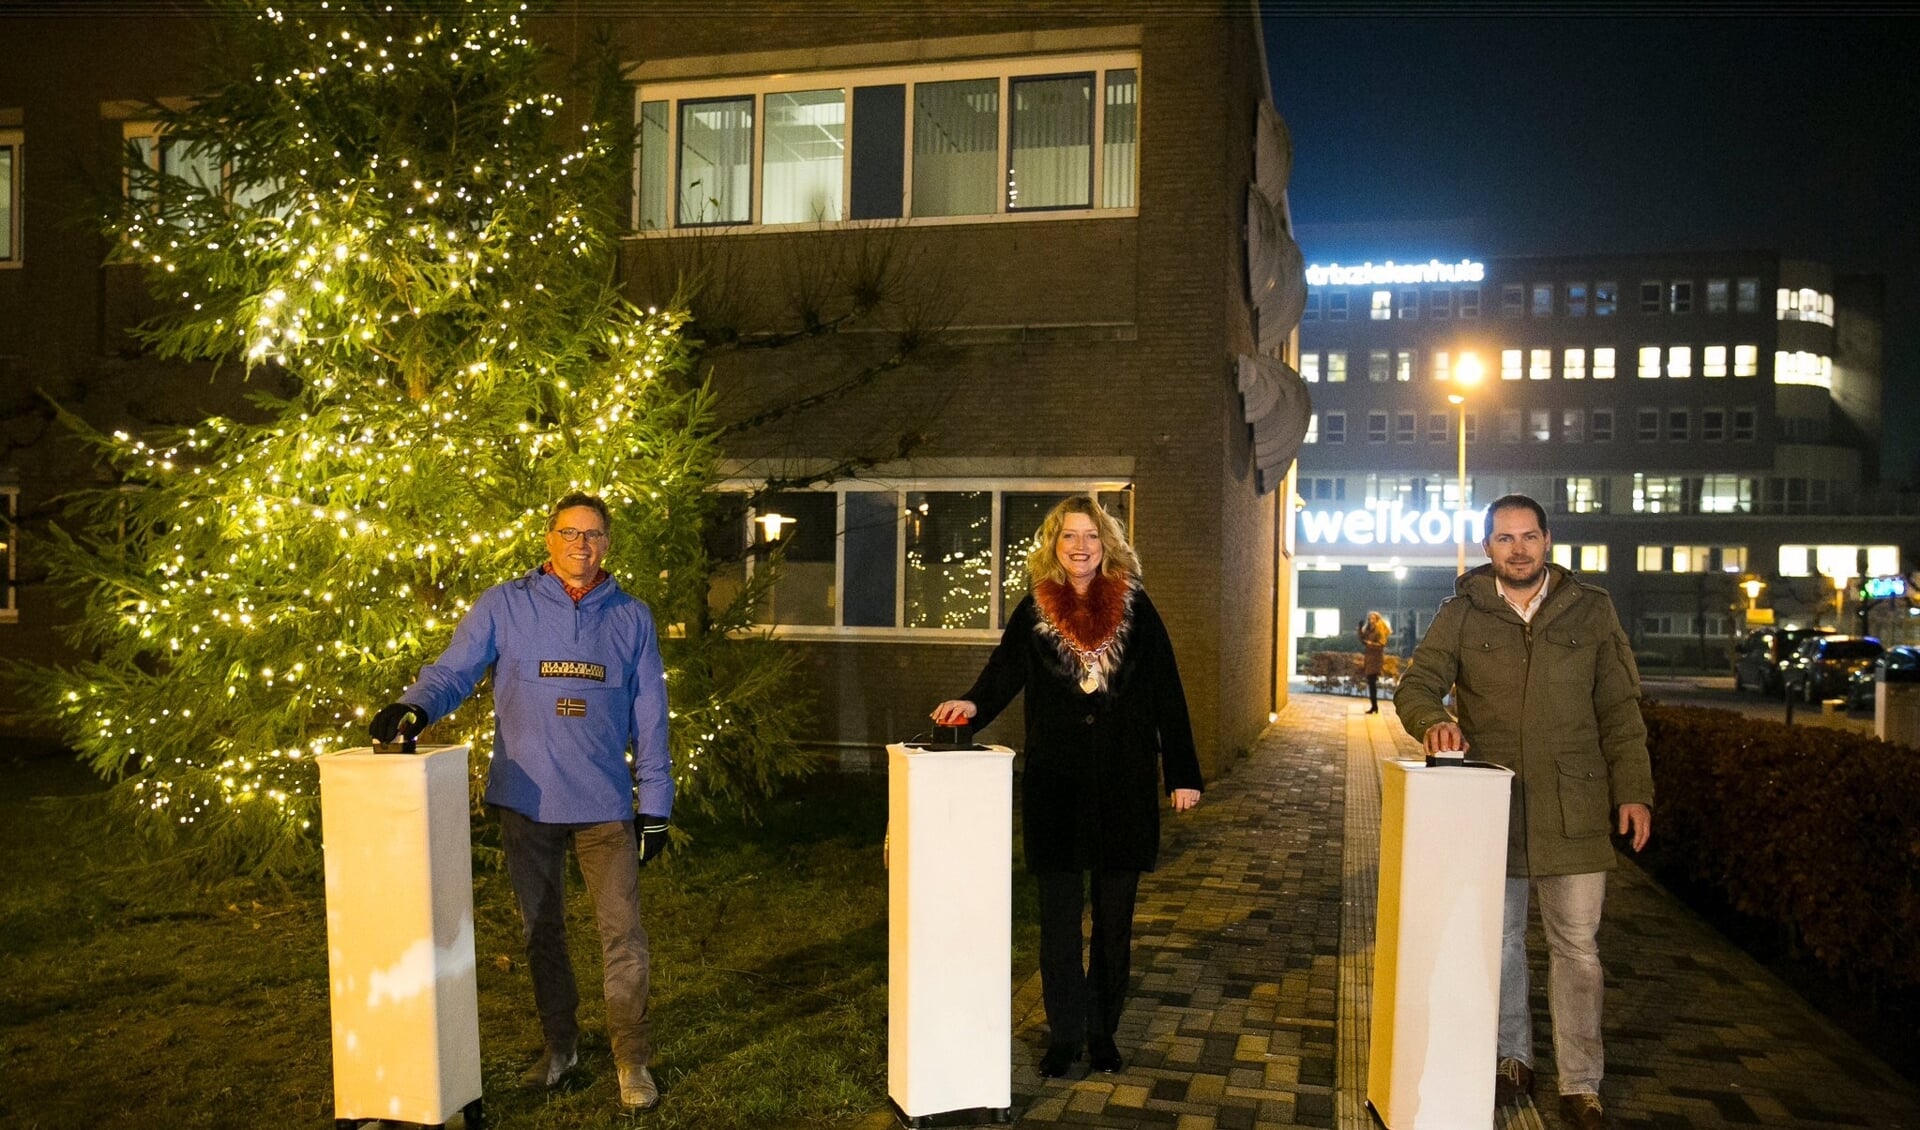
x: 963, y: 263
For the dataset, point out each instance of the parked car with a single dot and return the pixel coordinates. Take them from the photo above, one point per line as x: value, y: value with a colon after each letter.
x: 1764, y: 653
x: 1900, y: 664
x: 1822, y: 666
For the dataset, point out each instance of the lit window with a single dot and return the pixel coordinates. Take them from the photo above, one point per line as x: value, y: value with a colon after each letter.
x: 1680, y: 298
x: 1603, y: 363
x: 1649, y: 362
x: 1317, y: 623
x: 1713, y: 361
x: 1580, y: 495
x: 10, y: 148
x: 1606, y: 299
x: 1542, y: 304
x: 805, y: 157
x: 1407, y: 305
x: 1716, y: 296
x: 1382, y: 305
x: 1337, y: 306
x: 1713, y: 424
x: 1336, y: 368
x: 1650, y: 297
x: 1746, y: 298
x: 1573, y: 427
x: 1651, y: 559
x: 1050, y: 142
x: 1376, y: 427
x: 1540, y: 425
x: 1510, y: 421
x: 1679, y: 425
x: 1439, y: 303
x: 1470, y: 302
x: 1726, y: 494
x: 1647, y: 424
x: 1313, y: 428
x: 1601, y: 429
x: 1746, y: 360
x: 1403, y: 427
x: 1745, y: 424
x: 1573, y: 365
x: 1539, y: 364
x: 1120, y: 140
x: 1336, y: 427
x: 1805, y: 305
x: 1510, y: 365
x: 1659, y: 494
x: 956, y: 136
x: 1513, y: 300
x: 1442, y: 365
x: 1377, y: 362
x: 1403, y: 365
x: 1593, y: 559
x: 1577, y: 300
x: 1802, y: 368
x: 1680, y: 361
x: 1310, y: 368
x: 716, y: 161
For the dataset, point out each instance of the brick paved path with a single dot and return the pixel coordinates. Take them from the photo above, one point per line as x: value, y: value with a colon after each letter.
x: 1252, y: 956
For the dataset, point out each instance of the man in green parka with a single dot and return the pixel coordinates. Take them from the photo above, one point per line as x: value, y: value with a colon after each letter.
x: 1544, y: 683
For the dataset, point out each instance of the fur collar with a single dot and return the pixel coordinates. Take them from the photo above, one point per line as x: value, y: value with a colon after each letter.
x: 1088, y: 633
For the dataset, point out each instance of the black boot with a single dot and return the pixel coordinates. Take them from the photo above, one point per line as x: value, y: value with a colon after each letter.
x: 1059, y: 1060
x: 1103, y: 1055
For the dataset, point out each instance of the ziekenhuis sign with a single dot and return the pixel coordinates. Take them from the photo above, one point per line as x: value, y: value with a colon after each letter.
x: 1391, y: 273
x: 1389, y: 523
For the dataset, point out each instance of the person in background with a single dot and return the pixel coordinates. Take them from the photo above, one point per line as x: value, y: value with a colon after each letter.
x: 1106, y: 732
x: 578, y: 685
x: 1545, y: 685
x: 1374, y: 633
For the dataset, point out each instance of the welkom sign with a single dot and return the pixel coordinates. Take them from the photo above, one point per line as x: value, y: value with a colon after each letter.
x: 1389, y: 524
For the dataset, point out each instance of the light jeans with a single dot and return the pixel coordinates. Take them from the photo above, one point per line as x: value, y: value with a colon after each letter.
x: 1570, y: 913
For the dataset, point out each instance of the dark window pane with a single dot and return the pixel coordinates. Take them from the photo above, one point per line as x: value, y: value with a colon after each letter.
x: 879, y: 151
x: 873, y: 553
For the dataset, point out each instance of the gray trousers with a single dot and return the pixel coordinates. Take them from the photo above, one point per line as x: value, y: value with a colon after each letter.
x: 536, y: 856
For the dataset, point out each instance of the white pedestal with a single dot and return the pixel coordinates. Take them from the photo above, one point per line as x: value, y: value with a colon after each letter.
x: 1896, y: 712
x: 950, y: 935
x: 399, y: 869
x: 1436, y: 964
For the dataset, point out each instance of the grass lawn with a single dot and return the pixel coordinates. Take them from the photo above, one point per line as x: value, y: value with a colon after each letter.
x: 120, y: 1005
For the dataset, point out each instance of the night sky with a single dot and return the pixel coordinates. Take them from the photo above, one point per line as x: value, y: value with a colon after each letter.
x: 1518, y: 135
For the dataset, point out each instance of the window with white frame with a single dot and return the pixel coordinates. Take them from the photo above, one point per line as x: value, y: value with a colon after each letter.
x: 1513, y: 300
x: 1804, y: 305
x: 1317, y: 623
x: 1581, y: 494
x: 1323, y: 489
x: 1439, y: 303
x: 1337, y: 306
x: 1600, y: 425
x: 1310, y: 368
x: 1573, y: 425
x: 1539, y: 364
x: 1713, y: 424
x: 1510, y: 369
x: 1646, y: 427
x: 1378, y: 361
x: 1311, y: 313
x: 1376, y: 427
x: 1403, y: 427
x: 1604, y: 363
x: 863, y: 560
x: 1650, y: 297
x: 1510, y: 425
x: 1606, y: 299
x: 1745, y: 424
x: 1313, y: 428
x: 1580, y: 558
x: 1470, y: 302
x: 1717, y: 293
x: 1679, y: 425
x: 1802, y: 368
x: 1746, y: 296
x: 1403, y: 364
x: 1727, y: 494
x: 988, y: 138
x: 1337, y: 367
x: 12, y: 142
x: 1407, y: 304
x: 1679, y: 298
x: 1540, y: 425
x: 1335, y: 427
x: 1438, y: 425
x: 1838, y: 560
x: 1381, y: 307
x: 1442, y: 365
x: 1746, y: 360
x: 1576, y: 300
x: 1540, y: 304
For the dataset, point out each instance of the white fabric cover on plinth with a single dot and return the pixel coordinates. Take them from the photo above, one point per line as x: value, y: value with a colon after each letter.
x: 949, y: 930
x: 399, y: 870
x: 1436, y: 959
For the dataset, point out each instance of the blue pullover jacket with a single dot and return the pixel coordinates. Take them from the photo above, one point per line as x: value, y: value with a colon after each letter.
x: 575, y: 686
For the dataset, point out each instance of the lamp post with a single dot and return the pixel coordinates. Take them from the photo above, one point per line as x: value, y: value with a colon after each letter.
x: 1466, y: 374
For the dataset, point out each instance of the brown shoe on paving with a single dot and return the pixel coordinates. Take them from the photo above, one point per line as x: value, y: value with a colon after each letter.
x: 1582, y: 1111
x: 1512, y: 1080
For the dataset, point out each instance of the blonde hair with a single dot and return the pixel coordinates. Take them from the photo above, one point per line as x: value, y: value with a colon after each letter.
x: 1116, y: 556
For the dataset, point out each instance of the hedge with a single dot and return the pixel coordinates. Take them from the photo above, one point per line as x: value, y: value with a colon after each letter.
x: 1340, y: 671
x: 1812, y: 830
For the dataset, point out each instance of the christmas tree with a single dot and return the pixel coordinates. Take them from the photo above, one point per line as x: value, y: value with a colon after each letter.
x: 385, y: 216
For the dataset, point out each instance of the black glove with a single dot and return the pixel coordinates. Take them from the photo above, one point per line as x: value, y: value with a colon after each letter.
x: 395, y: 717
x: 650, y: 832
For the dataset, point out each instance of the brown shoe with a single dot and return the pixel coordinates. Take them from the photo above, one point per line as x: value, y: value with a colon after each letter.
x: 1512, y: 1081
x: 1582, y: 1111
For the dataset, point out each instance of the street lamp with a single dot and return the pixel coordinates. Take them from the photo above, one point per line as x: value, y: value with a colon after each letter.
x: 1465, y: 375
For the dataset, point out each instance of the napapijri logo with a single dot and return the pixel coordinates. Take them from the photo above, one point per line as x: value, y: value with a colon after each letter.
x: 572, y: 669
x: 571, y: 708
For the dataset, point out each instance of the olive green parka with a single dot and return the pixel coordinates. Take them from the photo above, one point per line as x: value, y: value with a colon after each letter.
x: 1557, y: 701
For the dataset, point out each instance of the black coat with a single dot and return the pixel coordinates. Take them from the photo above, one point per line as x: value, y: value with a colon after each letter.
x: 1092, y: 786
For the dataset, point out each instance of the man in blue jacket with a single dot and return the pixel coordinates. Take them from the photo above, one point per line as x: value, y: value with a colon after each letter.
x: 577, y: 684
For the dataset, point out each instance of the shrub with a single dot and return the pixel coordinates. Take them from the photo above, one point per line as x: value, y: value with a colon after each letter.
x: 1815, y: 831
x: 1339, y: 671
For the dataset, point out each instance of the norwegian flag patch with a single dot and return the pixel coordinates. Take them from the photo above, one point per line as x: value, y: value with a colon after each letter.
x: 571, y: 708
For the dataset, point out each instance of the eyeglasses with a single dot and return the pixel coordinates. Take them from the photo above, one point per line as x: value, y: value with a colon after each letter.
x: 570, y: 535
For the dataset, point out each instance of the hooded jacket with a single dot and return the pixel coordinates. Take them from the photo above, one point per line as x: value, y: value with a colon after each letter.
x: 575, y: 686
x: 1092, y: 783
x: 1557, y: 701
